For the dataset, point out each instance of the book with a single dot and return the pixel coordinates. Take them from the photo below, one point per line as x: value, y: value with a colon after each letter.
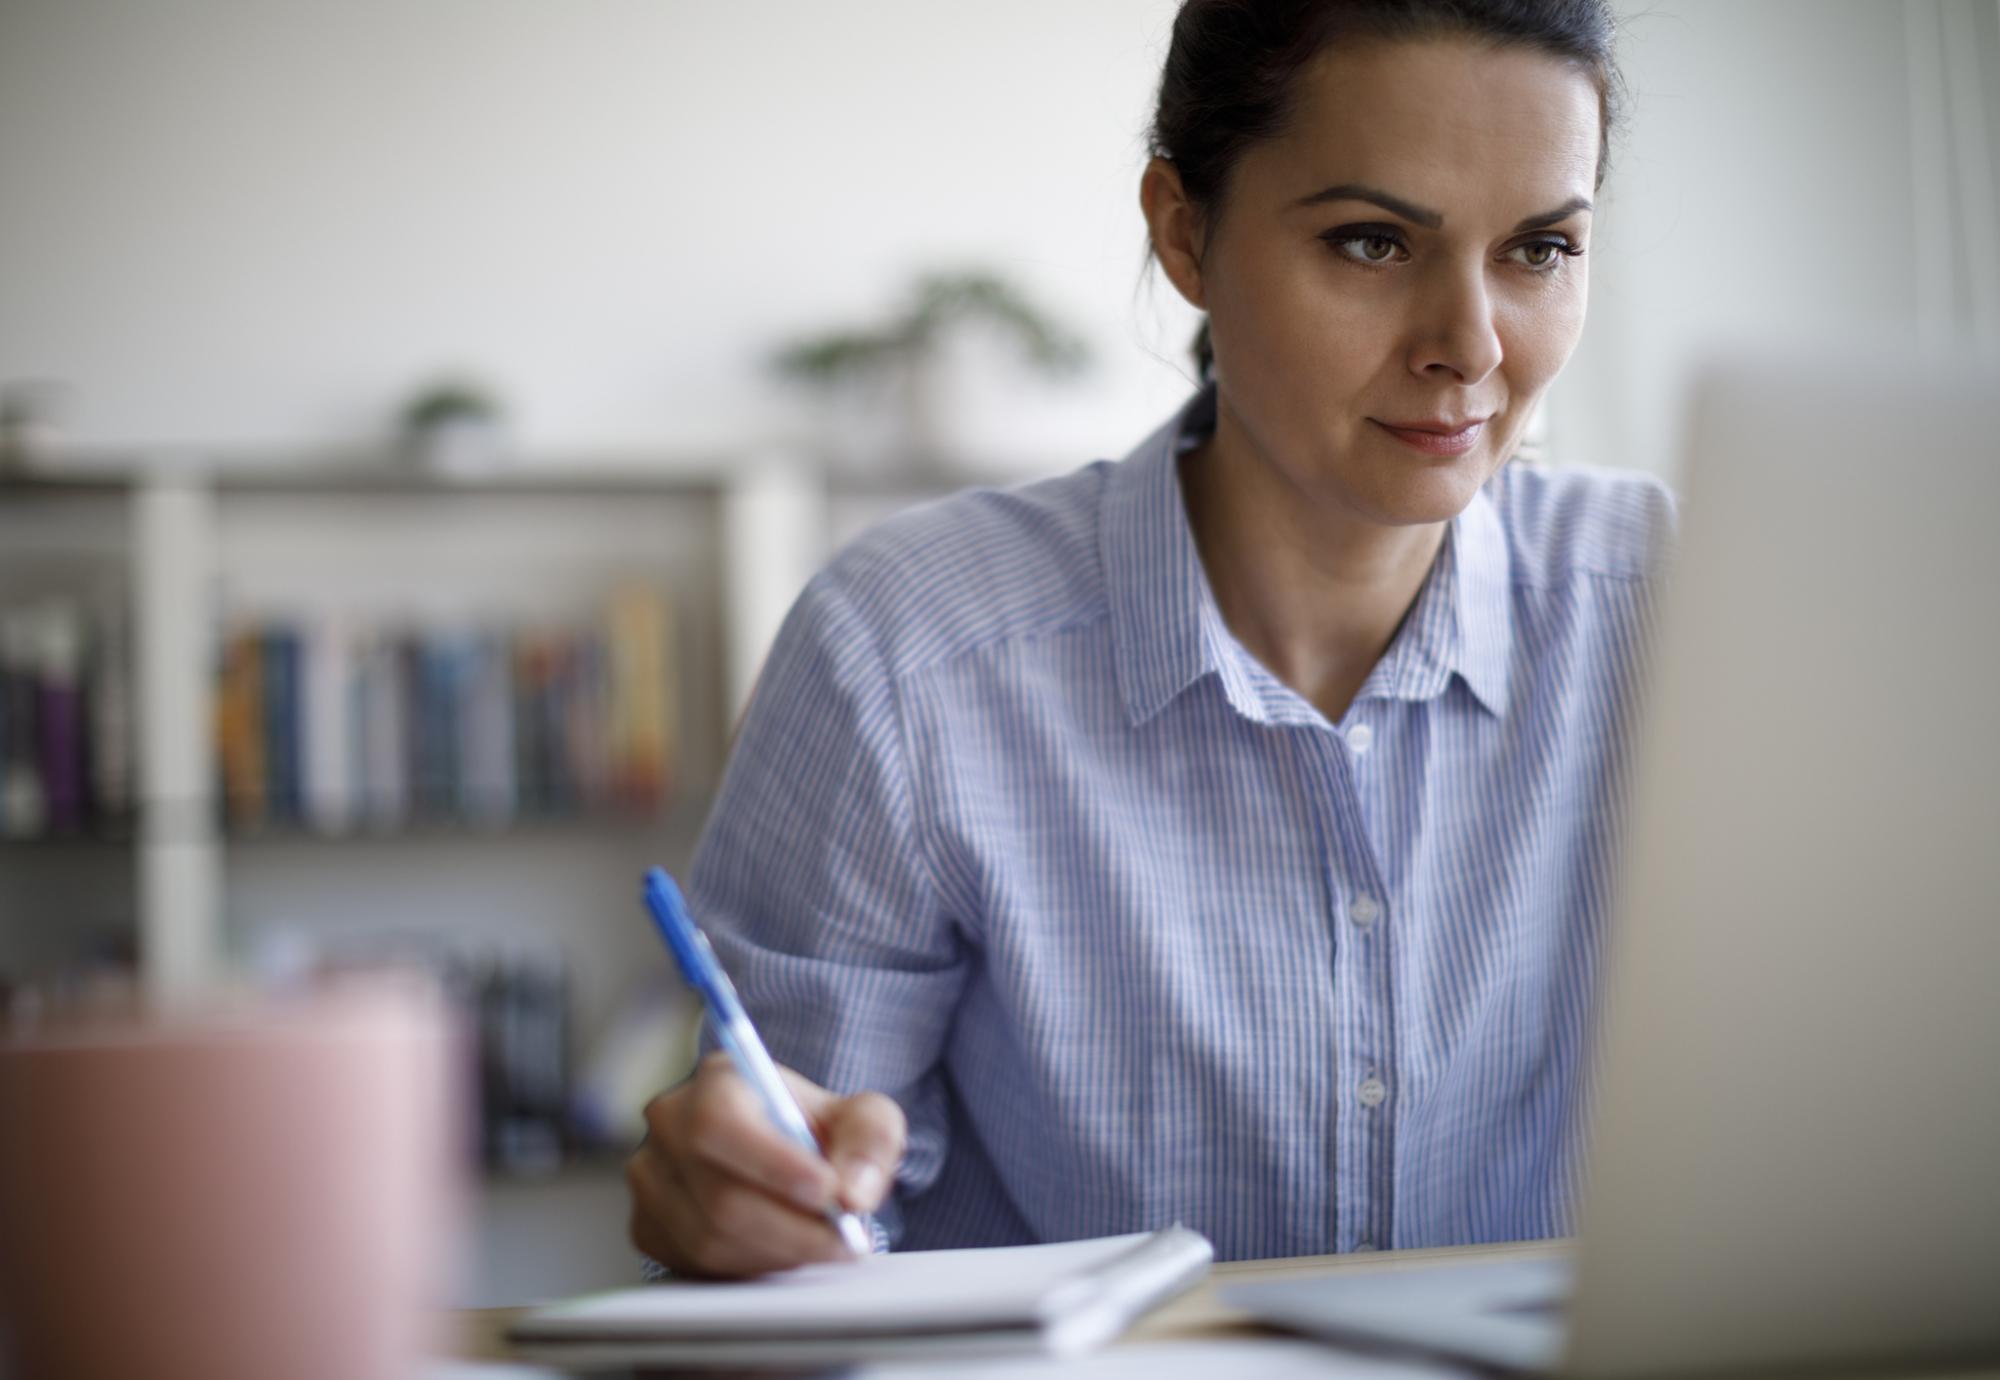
x: 284, y: 793
x: 112, y: 716
x: 327, y: 726
x: 639, y: 626
x: 534, y: 663
x: 1058, y: 1299
x: 324, y: 723
x: 65, y: 717
x: 432, y: 685
x: 239, y: 729
x: 59, y: 717
x: 486, y: 785
x: 23, y: 802
x: 583, y: 697
x: 382, y: 732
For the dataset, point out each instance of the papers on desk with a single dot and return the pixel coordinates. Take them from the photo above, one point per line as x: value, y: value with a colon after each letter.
x: 1059, y: 1299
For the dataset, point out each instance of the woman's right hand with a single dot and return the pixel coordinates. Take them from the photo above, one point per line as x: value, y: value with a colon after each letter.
x: 718, y: 1191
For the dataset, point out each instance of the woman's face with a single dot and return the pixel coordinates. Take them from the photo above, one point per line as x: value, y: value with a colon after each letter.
x: 1403, y: 261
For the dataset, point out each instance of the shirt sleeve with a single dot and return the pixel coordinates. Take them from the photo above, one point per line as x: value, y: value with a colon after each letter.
x: 812, y: 885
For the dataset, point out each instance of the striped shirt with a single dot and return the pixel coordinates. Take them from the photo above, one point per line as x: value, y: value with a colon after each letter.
x: 1017, y: 832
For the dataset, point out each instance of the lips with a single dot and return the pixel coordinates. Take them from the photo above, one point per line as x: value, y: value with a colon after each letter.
x: 1436, y: 437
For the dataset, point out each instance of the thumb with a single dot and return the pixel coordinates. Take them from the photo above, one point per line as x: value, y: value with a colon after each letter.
x: 864, y: 1142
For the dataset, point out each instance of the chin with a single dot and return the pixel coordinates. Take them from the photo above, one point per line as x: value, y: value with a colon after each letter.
x: 1420, y: 494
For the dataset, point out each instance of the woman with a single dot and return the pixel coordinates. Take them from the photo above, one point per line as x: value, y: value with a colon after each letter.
x: 1221, y: 835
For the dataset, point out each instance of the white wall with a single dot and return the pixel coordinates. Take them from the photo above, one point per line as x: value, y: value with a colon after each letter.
x: 244, y: 223
x: 247, y: 224
x: 1764, y: 193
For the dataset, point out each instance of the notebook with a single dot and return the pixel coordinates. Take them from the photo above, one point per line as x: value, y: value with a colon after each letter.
x: 1056, y: 1299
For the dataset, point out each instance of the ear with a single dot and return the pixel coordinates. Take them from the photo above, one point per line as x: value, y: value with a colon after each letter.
x: 1176, y: 229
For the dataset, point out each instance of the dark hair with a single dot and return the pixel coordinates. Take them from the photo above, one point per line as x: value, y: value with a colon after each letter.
x: 1228, y: 82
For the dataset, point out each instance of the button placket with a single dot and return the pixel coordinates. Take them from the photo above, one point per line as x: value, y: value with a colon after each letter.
x: 1364, y: 1125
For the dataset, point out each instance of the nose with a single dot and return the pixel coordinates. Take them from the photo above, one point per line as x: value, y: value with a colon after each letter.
x: 1455, y: 339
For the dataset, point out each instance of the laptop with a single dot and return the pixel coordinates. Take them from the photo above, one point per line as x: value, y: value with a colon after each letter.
x: 1795, y: 1152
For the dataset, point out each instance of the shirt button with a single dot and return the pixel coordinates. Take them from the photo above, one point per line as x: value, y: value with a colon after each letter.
x: 1372, y: 1092
x: 1364, y: 911
x: 1360, y: 738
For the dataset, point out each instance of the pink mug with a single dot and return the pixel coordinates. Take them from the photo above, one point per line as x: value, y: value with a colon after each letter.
x: 259, y: 1190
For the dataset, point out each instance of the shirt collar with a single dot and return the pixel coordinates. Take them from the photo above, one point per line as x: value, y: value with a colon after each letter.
x: 1485, y: 597
x: 1152, y: 573
x: 1462, y: 622
x: 1168, y: 631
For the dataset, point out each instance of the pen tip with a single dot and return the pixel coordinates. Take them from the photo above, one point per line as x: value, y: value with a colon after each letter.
x: 856, y: 1237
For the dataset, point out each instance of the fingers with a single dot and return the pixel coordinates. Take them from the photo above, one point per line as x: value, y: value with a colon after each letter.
x: 659, y: 1222
x: 714, y: 1227
x: 863, y: 1136
x: 864, y: 1139
x: 728, y: 1129
x: 717, y: 1190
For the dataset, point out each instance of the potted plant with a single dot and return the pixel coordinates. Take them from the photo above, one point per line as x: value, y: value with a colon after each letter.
x: 903, y: 363
x: 28, y: 423
x: 453, y: 427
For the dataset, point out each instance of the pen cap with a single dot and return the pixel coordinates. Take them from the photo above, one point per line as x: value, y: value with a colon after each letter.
x: 690, y: 950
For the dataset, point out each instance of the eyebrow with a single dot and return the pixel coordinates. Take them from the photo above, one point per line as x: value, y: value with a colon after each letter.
x: 1562, y: 212
x: 1431, y: 220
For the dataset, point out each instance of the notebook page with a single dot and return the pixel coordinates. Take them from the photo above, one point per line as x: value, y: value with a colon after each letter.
x: 922, y: 1289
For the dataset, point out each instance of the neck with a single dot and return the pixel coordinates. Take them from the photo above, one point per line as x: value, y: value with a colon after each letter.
x: 1313, y: 591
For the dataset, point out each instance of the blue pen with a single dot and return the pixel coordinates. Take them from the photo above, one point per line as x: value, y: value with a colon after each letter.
x: 735, y: 1033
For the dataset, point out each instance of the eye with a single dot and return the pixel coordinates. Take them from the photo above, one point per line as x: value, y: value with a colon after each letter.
x: 1546, y: 255
x: 1372, y: 246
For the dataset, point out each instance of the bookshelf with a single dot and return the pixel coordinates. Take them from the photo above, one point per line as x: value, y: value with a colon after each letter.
x: 182, y: 564
x: 177, y: 555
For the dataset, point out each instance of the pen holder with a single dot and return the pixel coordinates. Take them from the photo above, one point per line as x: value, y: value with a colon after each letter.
x: 259, y: 1190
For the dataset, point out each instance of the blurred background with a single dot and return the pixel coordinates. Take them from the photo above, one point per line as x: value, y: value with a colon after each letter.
x: 416, y: 417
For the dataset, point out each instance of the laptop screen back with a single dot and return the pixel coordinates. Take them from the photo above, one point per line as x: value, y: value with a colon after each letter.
x: 1796, y: 1154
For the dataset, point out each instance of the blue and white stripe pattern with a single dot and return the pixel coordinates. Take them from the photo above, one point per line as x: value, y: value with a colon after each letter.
x: 1017, y: 832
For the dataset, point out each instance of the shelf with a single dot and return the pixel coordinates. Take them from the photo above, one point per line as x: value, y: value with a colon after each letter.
x: 26, y: 486
x: 402, y: 484
x: 368, y: 474
x: 116, y: 837
x: 373, y: 472
x: 608, y: 824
